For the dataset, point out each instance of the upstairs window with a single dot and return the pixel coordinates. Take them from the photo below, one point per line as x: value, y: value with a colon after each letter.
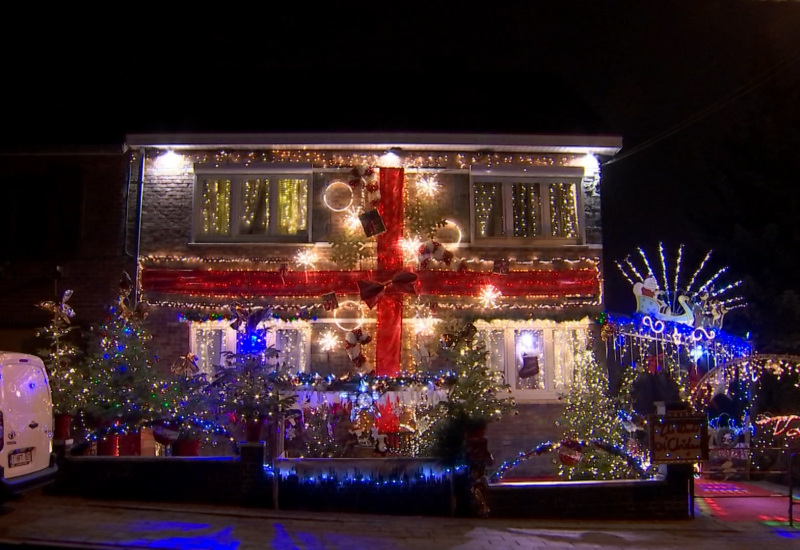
x: 514, y: 208
x: 244, y: 207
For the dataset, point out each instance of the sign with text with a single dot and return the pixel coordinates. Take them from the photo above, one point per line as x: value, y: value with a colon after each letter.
x: 678, y: 438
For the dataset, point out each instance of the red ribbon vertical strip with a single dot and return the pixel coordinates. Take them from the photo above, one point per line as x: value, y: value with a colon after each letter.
x: 388, y: 336
x: 389, y: 331
x: 390, y: 256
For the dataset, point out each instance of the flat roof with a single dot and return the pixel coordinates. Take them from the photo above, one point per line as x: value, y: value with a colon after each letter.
x: 501, y: 143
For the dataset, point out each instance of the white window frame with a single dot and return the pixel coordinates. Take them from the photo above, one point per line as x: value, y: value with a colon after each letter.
x: 542, y: 178
x: 238, y: 176
x: 229, y: 338
x: 547, y: 366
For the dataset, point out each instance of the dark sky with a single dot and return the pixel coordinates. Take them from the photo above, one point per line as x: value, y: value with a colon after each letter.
x: 724, y: 75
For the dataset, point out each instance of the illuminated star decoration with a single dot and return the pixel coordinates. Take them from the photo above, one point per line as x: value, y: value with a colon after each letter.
x: 410, y: 247
x: 489, y: 296
x: 61, y: 311
x: 306, y: 258
x: 351, y: 220
x: 328, y: 340
x: 425, y: 324
x: 185, y: 365
x: 428, y: 186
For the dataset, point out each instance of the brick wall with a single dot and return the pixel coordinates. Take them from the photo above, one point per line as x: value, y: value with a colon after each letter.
x: 91, y: 267
x: 515, y: 434
x: 170, y: 336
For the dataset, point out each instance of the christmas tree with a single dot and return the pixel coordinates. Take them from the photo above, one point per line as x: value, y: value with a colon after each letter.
x: 472, y: 399
x: 251, y: 386
x: 186, y: 404
x: 593, y: 415
x: 62, y: 358
x: 124, y: 389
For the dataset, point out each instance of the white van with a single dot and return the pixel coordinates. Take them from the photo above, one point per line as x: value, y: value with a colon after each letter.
x: 26, y: 424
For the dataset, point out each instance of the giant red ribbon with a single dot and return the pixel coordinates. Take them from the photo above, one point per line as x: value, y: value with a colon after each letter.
x: 389, y: 331
x: 578, y: 282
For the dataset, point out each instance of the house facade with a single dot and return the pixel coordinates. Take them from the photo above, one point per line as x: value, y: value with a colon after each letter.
x: 358, y: 251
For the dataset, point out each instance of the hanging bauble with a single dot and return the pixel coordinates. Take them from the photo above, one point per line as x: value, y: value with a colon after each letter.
x: 570, y: 452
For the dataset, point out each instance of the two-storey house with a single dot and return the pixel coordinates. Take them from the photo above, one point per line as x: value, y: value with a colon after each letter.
x: 501, y: 230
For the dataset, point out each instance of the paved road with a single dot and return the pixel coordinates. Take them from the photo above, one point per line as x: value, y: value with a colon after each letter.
x: 40, y: 520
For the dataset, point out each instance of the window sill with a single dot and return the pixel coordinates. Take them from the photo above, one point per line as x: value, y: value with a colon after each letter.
x: 250, y: 243
x: 526, y: 242
x: 536, y: 396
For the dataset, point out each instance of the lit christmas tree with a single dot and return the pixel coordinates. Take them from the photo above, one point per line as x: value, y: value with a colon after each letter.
x: 124, y: 389
x: 592, y: 414
x: 251, y: 387
x: 62, y: 358
x: 472, y: 400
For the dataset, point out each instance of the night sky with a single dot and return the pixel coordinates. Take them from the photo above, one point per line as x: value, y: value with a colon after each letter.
x: 706, y: 96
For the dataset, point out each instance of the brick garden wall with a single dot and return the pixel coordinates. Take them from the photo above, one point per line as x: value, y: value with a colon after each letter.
x: 535, y: 424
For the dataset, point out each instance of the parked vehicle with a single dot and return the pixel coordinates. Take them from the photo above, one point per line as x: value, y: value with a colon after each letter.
x: 26, y: 424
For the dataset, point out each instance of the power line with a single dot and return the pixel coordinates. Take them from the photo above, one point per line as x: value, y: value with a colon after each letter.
x: 714, y: 107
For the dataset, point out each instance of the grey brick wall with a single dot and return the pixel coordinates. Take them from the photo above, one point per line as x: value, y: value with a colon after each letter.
x: 515, y: 434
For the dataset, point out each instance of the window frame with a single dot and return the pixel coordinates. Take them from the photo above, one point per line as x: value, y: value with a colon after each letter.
x: 543, y: 178
x: 547, y: 365
x: 237, y: 177
x: 303, y: 329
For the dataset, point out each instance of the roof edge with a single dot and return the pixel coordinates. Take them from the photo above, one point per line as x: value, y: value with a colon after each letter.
x: 510, y: 143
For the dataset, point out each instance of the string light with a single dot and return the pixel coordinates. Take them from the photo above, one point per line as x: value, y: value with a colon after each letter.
x: 332, y: 159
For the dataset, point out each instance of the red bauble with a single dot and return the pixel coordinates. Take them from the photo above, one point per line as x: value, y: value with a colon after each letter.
x: 570, y: 453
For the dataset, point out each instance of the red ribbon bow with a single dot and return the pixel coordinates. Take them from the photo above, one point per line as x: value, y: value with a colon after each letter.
x: 371, y: 291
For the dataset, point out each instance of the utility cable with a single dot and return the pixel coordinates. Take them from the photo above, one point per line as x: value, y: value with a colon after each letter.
x: 714, y: 107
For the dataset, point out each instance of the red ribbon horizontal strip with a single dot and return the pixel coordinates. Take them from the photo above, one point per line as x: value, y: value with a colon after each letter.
x: 534, y: 284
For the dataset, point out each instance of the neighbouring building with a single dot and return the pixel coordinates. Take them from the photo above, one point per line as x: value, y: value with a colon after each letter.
x: 62, y: 229
x: 502, y: 229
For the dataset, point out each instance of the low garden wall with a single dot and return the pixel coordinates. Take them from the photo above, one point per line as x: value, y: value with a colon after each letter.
x: 401, y: 486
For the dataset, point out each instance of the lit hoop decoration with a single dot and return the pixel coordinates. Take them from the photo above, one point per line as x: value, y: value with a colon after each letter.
x: 458, y: 232
x: 338, y: 185
x: 360, y: 320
